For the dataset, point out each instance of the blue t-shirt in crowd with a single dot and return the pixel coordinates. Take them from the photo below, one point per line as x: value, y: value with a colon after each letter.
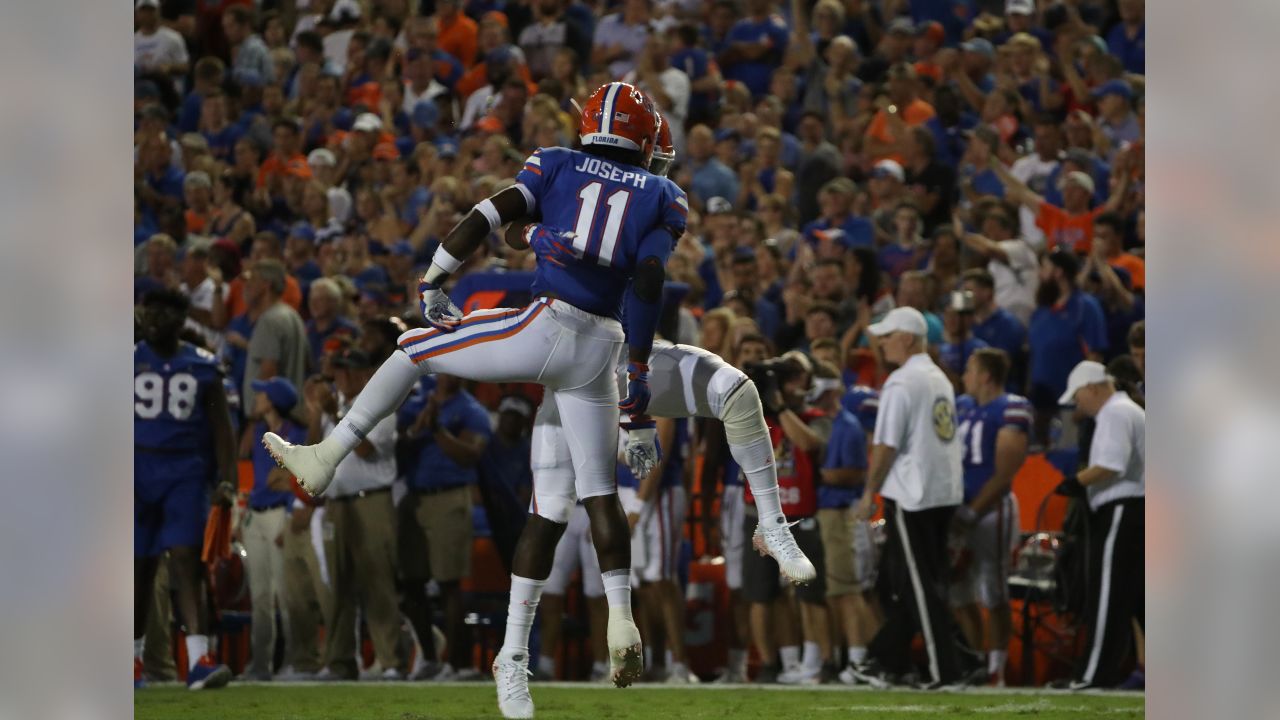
x: 435, y: 470
x: 1060, y: 336
x: 262, y: 497
x: 855, y: 231
x: 1132, y: 53
x: 714, y: 179
x: 755, y: 74
x: 847, y: 448
x: 950, y: 142
x: 695, y: 62
x: 953, y: 356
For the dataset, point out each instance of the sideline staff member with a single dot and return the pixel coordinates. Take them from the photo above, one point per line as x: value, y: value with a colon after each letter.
x: 1115, y: 481
x: 916, y: 459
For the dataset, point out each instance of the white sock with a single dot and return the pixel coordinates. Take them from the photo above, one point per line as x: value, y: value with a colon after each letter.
x: 996, y: 660
x: 599, y: 666
x: 523, y: 606
x: 738, y: 660
x: 617, y: 591
x: 857, y: 654
x: 648, y: 656
x: 197, y: 647
x: 547, y: 664
x: 670, y: 660
x: 139, y: 646
x: 385, y: 392
x: 812, y: 655
x: 790, y: 656
x: 756, y: 460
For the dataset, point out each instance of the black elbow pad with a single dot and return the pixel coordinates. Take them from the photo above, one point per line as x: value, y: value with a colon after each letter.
x: 648, y: 280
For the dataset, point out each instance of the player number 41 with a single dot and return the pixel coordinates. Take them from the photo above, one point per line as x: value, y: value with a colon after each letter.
x: 588, y: 204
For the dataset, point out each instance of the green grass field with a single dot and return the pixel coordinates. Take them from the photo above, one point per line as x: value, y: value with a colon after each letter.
x: 400, y: 701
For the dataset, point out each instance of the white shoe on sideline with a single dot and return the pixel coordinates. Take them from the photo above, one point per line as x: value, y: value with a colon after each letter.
x: 799, y: 675
x: 778, y: 543
x: 314, y: 474
x: 680, y: 675
x: 511, y: 673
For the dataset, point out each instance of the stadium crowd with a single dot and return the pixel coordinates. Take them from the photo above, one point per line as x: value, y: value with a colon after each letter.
x: 297, y: 163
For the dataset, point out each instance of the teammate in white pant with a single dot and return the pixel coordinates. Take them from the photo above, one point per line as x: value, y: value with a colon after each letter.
x: 682, y: 382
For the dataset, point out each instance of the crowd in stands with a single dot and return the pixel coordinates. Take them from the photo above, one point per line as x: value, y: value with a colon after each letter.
x: 297, y: 164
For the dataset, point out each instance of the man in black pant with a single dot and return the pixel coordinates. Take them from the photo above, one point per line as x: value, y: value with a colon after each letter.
x: 1115, y: 481
x: 916, y: 465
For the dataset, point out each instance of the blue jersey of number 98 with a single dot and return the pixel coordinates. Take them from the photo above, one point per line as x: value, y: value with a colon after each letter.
x: 170, y: 396
x: 610, y: 208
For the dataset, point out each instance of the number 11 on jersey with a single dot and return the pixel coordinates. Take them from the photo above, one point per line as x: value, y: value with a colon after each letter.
x: 588, y: 203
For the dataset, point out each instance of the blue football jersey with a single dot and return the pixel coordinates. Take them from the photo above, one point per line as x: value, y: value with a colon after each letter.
x: 979, y: 425
x: 673, y: 473
x: 170, y: 396
x: 610, y: 208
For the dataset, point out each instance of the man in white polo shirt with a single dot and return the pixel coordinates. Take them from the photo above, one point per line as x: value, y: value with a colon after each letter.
x: 916, y: 466
x: 1115, y: 482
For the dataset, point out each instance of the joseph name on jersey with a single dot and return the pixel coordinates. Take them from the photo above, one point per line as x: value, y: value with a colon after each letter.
x: 979, y: 427
x: 170, y: 396
x: 610, y: 208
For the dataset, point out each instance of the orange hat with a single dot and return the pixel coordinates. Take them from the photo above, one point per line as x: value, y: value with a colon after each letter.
x: 497, y: 16
x: 385, y: 151
x: 298, y: 169
x: 490, y: 124
x: 932, y: 30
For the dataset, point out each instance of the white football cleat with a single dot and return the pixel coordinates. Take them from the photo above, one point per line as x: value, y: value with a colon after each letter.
x: 778, y: 543
x: 681, y: 675
x: 313, y: 474
x: 626, y: 656
x: 511, y: 673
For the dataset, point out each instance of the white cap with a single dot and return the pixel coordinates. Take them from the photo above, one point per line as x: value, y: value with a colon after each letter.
x: 1020, y: 7
x: 322, y: 157
x: 146, y: 4
x: 367, y: 122
x: 901, y: 319
x: 1086, y: 373
x: 889, y: 167
x: 1079, y: 178
x: 349, y: 8
x: 718, y: 205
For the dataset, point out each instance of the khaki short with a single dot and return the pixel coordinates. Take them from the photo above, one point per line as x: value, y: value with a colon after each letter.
x: 850, y: 560
x: 435, y: 539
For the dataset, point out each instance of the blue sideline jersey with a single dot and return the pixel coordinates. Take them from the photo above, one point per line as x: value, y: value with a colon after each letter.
x: 610, y: 207
x: 979, y: 425
x: 170, y: 396
x: 173, y: 440
x: 673, y: 473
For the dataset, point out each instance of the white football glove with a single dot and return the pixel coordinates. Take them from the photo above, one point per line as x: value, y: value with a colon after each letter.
x: 438, y: 310
x: 642, y: 451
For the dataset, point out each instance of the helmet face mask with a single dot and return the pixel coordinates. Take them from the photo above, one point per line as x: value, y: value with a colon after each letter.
x: 664, y: 153
x: 619, y: 115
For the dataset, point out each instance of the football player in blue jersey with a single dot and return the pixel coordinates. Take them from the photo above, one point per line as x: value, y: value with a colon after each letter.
x: 994, y: 426
x: 684, y: 382
x: 179, y: 412
x: 615, y: 224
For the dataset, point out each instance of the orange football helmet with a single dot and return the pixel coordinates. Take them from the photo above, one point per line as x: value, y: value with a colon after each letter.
x: 664, y: 153
x: 619, y: 115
